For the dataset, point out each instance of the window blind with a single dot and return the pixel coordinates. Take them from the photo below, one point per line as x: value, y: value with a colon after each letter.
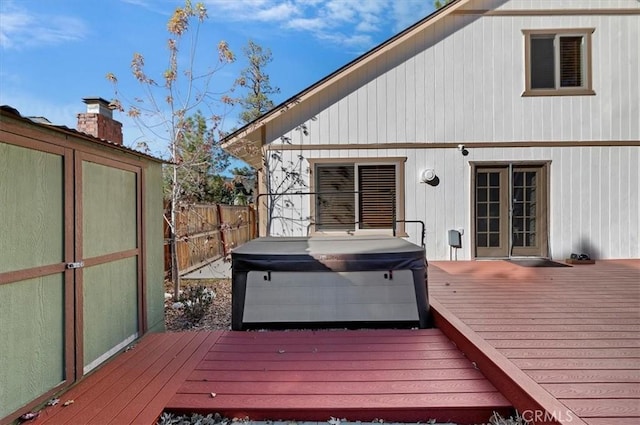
x: 571, y: 61
x: 335, y: 204
x: 376, y: 187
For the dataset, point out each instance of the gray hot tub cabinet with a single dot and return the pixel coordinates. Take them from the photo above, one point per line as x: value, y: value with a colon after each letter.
x: 323, y: 280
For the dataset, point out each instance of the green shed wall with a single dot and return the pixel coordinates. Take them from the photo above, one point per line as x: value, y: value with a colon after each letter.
x: 31, y: 207
x: 154, y: 252
x: 37, y: 236
x: 31, y: 310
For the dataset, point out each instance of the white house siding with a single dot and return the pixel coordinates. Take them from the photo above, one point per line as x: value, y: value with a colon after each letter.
x: 593, y: 197
x: 460, y: 81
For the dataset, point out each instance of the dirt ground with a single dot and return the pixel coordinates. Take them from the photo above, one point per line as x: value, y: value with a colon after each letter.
x: 218, y: 316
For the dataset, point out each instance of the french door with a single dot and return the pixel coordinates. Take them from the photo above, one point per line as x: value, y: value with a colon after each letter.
x: 510, y: 210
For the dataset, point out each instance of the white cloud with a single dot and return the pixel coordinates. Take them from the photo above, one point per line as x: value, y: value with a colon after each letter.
x: 23, y: 29
x: 343, y: 22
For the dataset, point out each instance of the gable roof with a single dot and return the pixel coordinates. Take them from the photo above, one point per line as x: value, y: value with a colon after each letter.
x: 246, y: 142
x: 41, y: 122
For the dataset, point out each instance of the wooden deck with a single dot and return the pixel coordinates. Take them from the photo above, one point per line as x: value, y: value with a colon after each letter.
x: 559, y: 341
x: 563, y: 340
x: 396, y: 375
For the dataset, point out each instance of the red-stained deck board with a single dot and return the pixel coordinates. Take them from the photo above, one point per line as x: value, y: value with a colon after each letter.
x: 350, y: 374
x: 465, y: 373
x: 313, y: 375
x: 140, y: 375
x: 153, y: 399
x: 563, y: 339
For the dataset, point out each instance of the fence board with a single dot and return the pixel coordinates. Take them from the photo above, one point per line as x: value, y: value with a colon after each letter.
x: 207, y: 232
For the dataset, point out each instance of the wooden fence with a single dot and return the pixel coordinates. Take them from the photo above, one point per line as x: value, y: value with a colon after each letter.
x: 208, y: 232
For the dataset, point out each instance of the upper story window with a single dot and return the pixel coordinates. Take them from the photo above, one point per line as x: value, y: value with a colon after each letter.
x: 558, y: 62
x: 356, y: 195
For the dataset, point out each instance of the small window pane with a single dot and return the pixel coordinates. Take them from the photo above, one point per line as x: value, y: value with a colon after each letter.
x: 482, y: 210
x: 518, y: 224
x: 518, y: 209
x: 494, y: 179
x: 494, y: 239
x: 542, y: 62
x: 481, y: 194
x: 517, y: 179
x: 482, y: 179
x: 494, y: 194
x: 518, y: 239
x: 482, y: 225
x: 494, y: 209
x: 482, y: 240
x: 494, y: 225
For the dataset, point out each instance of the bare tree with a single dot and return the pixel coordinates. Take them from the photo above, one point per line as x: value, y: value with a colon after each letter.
x: 163, y: 112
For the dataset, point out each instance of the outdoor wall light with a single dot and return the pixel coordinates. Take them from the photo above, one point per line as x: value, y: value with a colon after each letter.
x: 429, y: 177
x: 463, y: 149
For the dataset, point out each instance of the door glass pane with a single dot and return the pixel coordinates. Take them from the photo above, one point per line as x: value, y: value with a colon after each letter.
x: 494, y: 179
x: 482, y: 179
x: 524, y: 218
x: 494, y: 209
x: 488, y: 209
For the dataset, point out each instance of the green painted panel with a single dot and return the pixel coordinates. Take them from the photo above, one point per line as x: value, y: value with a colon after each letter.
x: 154, y: 246
x: 31, y: 340
x: 109, y: 210
x: 110, y: 300
x: 31, y: 207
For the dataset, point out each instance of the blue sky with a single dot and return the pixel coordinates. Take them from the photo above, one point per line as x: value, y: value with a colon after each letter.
x: 55, y: 52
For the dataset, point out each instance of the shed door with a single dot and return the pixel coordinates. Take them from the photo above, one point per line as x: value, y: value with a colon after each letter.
x: 108, y: 242
x: 36, y: 290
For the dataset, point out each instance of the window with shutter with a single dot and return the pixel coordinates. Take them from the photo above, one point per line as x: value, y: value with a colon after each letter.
x: 557, y: 62
x: 352, y: 196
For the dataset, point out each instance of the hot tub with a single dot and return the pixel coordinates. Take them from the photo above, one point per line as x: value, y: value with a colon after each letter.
x: 352, y: 281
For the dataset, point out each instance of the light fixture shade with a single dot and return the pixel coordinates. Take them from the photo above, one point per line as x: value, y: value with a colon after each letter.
x: 428, y: 175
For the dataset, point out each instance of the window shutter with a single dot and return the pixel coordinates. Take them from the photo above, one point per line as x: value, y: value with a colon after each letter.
x: 570, y: 61
x: 377, y: 193
x: 335, y: 205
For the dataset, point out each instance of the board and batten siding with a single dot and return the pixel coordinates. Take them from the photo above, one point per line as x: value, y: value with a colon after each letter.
x: 460, y: 80
x: 594, y: 196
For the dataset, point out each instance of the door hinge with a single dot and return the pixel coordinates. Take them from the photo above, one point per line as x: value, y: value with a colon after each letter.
x: 77, y: 265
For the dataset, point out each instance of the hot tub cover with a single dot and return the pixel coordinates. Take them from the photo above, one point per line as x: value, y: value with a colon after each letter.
x: 323, y: 253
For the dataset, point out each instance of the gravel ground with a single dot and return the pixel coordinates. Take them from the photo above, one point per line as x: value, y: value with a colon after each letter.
x: 218, y: 317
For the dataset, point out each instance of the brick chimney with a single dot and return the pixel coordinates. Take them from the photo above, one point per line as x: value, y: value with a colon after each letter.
x: 98, y: 121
